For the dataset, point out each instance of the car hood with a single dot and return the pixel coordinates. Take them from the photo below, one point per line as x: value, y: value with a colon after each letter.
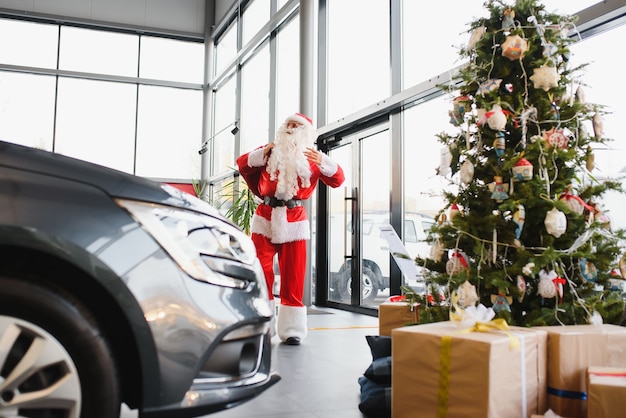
x: 116, y: 184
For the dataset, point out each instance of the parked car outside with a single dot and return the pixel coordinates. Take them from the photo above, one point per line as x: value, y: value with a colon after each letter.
x: 376, y: 253
x: 117, y: 289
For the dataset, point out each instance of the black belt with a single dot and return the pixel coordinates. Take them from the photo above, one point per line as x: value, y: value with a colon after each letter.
x: 273, y: 202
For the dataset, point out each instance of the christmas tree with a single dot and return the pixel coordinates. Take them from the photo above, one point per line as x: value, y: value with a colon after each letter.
x: 522, y: 232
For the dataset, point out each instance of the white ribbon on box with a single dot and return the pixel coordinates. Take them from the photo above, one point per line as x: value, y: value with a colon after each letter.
x: 470, y: 316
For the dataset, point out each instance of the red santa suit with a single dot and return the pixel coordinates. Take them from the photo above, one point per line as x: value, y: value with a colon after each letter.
x: 280, y: 224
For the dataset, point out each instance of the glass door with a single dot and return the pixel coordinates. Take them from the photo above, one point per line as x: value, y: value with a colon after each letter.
x: 357, y: 211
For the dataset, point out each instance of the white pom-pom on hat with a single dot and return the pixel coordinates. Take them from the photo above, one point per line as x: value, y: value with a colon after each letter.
x: 300, y: 118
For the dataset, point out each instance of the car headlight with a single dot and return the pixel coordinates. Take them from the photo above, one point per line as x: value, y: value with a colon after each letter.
x: 206, y: 248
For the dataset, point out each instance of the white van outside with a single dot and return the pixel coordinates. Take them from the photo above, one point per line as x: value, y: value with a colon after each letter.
x: 376, y: 256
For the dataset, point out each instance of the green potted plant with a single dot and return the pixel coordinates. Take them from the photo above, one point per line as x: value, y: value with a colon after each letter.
x: 242, y: 201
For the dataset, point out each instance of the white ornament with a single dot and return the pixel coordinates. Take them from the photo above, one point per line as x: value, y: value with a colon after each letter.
x: 595, y: 318
x: 445, y: 161
x: 545, y: 77
x: 475, y: 37
x: 580, y: 95
x: 467, y: 294
x: 598, y: 126
x: 436, y: 251
x: 590, y: 163
x: 496, y: 119
x: 528, y: 269
x: 546, y: 286
x: 467, y: 172
x: 555, y: 222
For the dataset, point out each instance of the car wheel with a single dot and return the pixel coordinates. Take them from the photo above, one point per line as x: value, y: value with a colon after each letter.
x: 54, y: 361
x: 369, y: 285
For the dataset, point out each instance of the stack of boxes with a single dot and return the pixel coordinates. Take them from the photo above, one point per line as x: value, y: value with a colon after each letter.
x: 442, y: 370
x: 574, y: 351
x: 606, y: 391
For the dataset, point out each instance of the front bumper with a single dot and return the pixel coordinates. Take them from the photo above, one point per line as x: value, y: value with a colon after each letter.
x: 224, y: 383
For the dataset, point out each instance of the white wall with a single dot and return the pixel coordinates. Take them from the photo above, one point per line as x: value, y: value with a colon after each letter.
x: 173, y: 16
x: 221, y: 7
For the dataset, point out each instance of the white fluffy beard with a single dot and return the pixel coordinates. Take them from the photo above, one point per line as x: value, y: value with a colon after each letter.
x: 287, y: 162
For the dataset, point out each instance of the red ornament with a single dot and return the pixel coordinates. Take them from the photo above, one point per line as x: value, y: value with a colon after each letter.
x: 454, y: 210
x: 575, y: 203
x: 457, y: 262
x: 555, y: 138
x: 523, y: 170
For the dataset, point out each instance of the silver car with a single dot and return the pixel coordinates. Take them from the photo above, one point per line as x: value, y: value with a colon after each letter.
x: 116, y: 289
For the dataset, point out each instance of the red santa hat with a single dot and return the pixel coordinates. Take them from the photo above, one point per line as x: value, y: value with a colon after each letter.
x: 300, y: 118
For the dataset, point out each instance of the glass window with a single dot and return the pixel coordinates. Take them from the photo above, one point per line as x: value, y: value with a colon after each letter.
x: 96, y: 122
x: 423, y: 187
x: 601, y: 81
x: 424, y: 41
x: 427, y: 224
x: 255, y: 82
x: 256, y: 14
x: 225, y: 49
x: 224, y: 152
x: 172, y: 60
x: 410, y: 235
x: 375, y: 170
x: 94, y: 51
x: 27, y: 109
x: 427, y: 49
x: 169, y: 133
x: 224, y: 142
x: 358, y: 55
x: 28, y: 44
x: 288, y: 71
x: 223, y: 194
x: 340, y: 216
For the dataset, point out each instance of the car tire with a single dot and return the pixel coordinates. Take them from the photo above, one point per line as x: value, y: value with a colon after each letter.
x: 369, y: 285
x: 56, y: 353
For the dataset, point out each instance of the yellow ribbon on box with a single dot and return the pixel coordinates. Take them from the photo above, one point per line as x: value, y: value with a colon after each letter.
x: 494, y: 325
x: 445, y: 351
x: 479, y: 319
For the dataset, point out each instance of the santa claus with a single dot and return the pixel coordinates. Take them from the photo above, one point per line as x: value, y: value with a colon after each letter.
x: 283, y: 174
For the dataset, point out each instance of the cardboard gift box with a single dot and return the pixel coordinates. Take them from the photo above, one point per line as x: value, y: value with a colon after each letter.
x: 572, y: 349
x: 606, y: 392
x: 395, y: 314
x: 439, y: 370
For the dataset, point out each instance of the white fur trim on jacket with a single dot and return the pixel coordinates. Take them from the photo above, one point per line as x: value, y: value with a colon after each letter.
x: 279, y: 230
x: 328, y: 166
x: 292, y: 322
x: 256, y: 158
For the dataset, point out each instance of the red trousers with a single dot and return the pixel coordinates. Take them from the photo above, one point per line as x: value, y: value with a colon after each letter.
x: 292, y: 266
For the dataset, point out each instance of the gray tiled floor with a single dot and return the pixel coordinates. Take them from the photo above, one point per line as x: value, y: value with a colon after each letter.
x: 319, y: 377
